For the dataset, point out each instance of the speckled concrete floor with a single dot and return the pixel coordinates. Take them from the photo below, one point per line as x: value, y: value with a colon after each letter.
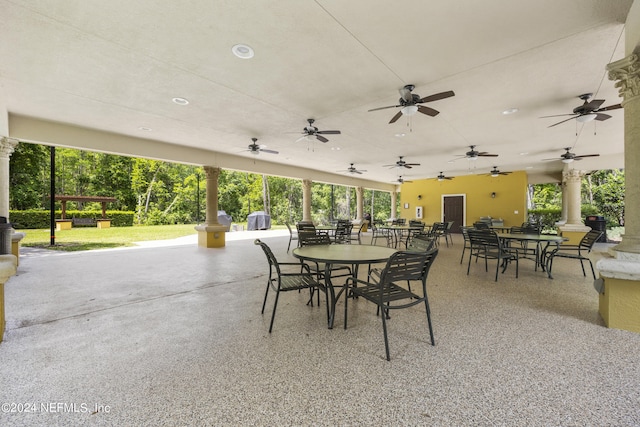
x: 173, y: 335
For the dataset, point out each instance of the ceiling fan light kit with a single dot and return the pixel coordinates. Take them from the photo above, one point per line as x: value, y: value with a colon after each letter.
x: 408, y: 103
x: 588, y: 111
x: 587, y: 118
x: 409, y: 110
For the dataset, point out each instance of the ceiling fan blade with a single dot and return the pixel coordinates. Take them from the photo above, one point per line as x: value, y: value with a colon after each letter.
x: 322, y: 138
x: 593, y: 105
x: 437, y: 96
x: 262, y: 150
x: 407, y: 165
x: 396, y: 117
x: 585, y: 155
x: 384, y: 108
x: 428, y: 111
x: 559, y: 115
x: 602, y: 117
x: 329, y: 132
x: 301, y: 138
x: 556, y: 124
x: 610, y: 107
x: 413, y: 164
x: 486, y: 155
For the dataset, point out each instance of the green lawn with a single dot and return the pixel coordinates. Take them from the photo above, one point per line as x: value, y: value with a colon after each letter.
x: 84, y: 238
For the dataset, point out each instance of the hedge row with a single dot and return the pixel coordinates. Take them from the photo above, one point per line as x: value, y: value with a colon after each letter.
x: 35, y: 218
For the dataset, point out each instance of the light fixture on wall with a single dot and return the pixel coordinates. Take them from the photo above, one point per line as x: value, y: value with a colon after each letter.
x: 419, y: 196
x: 493, y: 195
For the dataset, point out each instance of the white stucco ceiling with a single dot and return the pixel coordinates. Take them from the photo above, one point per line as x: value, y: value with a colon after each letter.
x: 114, y: 67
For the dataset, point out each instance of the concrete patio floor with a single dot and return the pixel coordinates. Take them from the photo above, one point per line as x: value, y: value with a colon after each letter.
x: 171, y: 334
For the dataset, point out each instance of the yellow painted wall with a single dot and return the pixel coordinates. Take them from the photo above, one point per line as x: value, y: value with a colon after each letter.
x: 510, y: 202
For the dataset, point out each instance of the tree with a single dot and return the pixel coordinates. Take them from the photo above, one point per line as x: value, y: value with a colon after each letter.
x: 29, y: 177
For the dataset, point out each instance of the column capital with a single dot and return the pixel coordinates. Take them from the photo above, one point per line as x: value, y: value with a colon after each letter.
x: 211, y: 172
x: 627, y: 72
x: 306, y: 183
x: 572, y: 175
x: 7, y: 146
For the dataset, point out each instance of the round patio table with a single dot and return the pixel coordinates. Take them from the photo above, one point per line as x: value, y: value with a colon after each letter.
x: 341, y: 254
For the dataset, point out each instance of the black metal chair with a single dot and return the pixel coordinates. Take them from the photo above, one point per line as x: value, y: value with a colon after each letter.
x: 527, y: 249
x: 388, y: 295
x: 284, y: 281
x: 292, y: 236
x: 481, y: 225
x: 467, y: 243
x: 486, y: 244
x: 379, y: 233
x: 307, y: 239
x: 343, y: 232
x: 355, y: 236
x: 438, y: 229
x: 580, y: 252
x: 447, y: 233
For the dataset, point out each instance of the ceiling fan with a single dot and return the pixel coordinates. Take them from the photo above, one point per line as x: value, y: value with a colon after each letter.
x: 473, y: 154
x: 588, y: 111
x: 401, y: 180
x: 441, y: 177
x: 408, y: 102
x: 569, y: 157
x: 402, y: 164
x: 352, y: 169
x: 495, y: 172
x: 310, y: 131
x: 257, y: 149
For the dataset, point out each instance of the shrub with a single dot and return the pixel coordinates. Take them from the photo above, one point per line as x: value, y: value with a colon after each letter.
x: 37, y: 218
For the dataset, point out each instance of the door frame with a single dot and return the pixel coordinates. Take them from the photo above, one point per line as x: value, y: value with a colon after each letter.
x: 464, y: 206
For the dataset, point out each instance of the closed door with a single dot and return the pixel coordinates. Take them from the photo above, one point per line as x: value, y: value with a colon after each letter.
x: 454, y: 211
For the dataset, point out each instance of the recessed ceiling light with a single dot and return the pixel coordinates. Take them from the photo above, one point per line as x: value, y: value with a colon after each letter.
x: 180, y: 101
x: 524, y: 153
x: 510, y: 111
x: 529, y: 167
x: 146, y: 129
x: 400, y: 135
x: 335, y: 148
x: 242, y: 51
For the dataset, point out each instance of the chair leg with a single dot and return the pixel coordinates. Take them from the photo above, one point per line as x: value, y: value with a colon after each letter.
x: 426, y: 304
x: 384, y: 330
x: 289, y: 246
x: 583, y: 272
x: 273, y: 315
x: 592, y: 270
x: 264, y: 303
x: 462, y: 256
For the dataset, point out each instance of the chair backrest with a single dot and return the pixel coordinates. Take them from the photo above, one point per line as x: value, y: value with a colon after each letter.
x: 343, y: 231
x: 271, y: 258
x: 289, y: 227
x: 485, y: 238
x: 408, y: 266
x: 480, y: 225
x: 421, y: 242
x: 305, y: 226
x: 449, y: 225
x: 590, y: 239
x: 310, y: 239
x: 465, y: 232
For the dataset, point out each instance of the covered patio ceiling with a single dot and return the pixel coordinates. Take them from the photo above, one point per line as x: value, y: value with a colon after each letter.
x: 103, y: 76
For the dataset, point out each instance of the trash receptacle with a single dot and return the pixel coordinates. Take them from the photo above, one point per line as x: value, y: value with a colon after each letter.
x: 598, y: 223
x: 5, y: 236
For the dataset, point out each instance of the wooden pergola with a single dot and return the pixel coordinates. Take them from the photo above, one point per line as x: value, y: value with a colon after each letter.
x: 103, y: 200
